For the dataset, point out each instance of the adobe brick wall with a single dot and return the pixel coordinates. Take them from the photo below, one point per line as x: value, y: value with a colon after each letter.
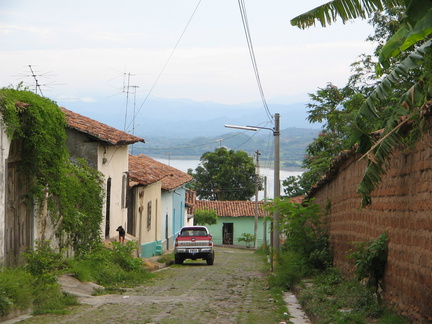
x: 402, y: 207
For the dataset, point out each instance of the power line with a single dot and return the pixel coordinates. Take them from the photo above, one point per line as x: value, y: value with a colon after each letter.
x: 192, y: 146
x: 169, y: 58
x: 252, y: 56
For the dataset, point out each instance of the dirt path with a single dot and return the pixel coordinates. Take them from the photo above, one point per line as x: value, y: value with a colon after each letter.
x: 233, y: 290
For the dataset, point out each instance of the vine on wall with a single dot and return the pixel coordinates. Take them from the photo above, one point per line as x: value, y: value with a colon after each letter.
x: 71, y: 192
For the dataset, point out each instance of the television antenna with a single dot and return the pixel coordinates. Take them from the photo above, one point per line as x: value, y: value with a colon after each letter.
x: 37, y: 85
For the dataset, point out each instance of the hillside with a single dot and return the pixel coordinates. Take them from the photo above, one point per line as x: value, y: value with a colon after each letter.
x: 293, y: 142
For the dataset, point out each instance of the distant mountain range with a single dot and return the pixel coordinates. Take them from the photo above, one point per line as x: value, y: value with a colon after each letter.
x: 185, y: 128
x: 293, y: 142
x: 187, y: 118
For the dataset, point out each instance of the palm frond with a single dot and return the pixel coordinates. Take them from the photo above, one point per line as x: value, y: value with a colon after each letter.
x: 369, y: 108
x: 416, y: 27
x: 379, y: 154
x: 343, y: 9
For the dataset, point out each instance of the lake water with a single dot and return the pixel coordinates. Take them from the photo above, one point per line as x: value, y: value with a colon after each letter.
x: 184, y: 165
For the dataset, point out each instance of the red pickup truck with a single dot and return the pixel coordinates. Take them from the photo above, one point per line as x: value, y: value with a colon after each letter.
x: 194, y: 242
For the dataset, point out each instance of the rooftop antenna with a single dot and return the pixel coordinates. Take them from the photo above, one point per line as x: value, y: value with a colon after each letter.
x: 37, y: 85
x: 127, y: 89
x: 36, y: 80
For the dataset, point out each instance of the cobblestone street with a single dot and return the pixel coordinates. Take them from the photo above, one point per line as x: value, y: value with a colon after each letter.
x: 233, y: 290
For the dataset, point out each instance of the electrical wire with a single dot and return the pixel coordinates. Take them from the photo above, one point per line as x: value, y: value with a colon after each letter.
x: 243, y: 13
x: 192, y: 146
x: 167, y: 61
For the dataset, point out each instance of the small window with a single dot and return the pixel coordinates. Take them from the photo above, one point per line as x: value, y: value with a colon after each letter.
x: 125, y: 182
x: 149, y: 215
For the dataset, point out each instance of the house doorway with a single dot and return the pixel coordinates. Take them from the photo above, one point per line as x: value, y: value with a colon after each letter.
x: 19, y: 221
x: 227, y: 233
x: 108, y: 211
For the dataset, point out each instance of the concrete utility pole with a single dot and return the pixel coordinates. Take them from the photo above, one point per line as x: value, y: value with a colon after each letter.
x: 256, y: 199
x: 276, y: 135
x: 276, y: 234
x: 264, y: 220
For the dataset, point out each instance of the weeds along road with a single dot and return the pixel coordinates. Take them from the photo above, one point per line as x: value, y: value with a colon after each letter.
x: 233, y: 290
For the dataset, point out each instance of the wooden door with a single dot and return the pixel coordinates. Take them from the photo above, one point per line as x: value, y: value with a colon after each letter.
x: 19, y: 220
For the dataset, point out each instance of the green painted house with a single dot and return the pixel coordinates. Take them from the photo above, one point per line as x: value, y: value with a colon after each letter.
x: 234, y: 219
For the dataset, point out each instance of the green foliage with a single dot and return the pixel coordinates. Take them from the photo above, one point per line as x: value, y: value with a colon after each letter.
x: 35, y: 285
x: 81, y: 206
x: 116, y: 267
x: 43, y: 263
x: 370, y: 260
x: 305, y: 232
x: 225, y: 175
x: 290, y: 269
x: 247, y: 238
x: 332, y: 299
x: 74, y: 191
x: 205, y: 217
x: 16, y: 288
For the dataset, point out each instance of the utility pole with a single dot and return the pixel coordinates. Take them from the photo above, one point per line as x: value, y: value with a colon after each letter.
x: 276, y: 235
x: 264, y: 220
x: 256, y: 199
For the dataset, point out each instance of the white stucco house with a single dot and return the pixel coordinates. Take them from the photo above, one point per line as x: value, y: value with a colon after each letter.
x: 107, y: 150
x: 157, y: 194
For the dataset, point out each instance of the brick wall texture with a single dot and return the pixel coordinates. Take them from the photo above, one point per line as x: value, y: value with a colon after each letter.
x: 402, y: 207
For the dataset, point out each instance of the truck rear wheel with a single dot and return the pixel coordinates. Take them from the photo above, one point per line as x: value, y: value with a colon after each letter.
x: 178, y: 260
x: 210, y: 259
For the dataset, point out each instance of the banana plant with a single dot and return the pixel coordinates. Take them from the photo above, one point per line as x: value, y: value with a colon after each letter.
x: 415, y: 29
x: 413, y: 106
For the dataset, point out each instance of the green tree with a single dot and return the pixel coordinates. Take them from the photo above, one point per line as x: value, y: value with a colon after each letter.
x: 403, y: 85
x: 205, y: 217
x: 225, y: 175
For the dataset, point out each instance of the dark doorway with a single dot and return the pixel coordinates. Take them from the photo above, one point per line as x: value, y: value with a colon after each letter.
x: 19, y: 220
x: 227, y: 233
x: 131, y: 213
x: 107, y: 213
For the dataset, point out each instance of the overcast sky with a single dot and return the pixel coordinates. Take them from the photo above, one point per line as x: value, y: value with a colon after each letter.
x: 82, y: 49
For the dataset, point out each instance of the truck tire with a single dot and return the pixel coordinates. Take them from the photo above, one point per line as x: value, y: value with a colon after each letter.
x: 178, y: 260
x: 210, y: 260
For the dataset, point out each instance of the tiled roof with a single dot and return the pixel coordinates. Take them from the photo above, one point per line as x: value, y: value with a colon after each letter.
x: 231, y: 208
x: 144, y: 170
x: 234, y: 208
x: 98, y: 130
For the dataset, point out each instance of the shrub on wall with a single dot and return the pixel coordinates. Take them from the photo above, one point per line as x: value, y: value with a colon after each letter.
x: 71, y: 192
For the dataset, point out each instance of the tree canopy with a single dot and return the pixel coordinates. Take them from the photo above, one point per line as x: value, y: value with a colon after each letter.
x: 399, y: 85
x: 224, y: 175
x: 205, y: 217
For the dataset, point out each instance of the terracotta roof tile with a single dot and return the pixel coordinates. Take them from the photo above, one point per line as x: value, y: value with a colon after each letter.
x: 231, y: 208
x: 145, y: 170
x: 99, y: 130
x: 234, y: 208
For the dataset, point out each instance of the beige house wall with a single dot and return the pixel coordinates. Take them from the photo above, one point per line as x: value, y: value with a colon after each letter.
x: 4, y: 153
x: 147, y: 211
x: 113, y: 164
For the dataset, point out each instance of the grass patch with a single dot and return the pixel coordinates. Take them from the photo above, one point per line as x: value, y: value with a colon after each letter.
x: 34, y: 285
x: 166, y: 258
x: 333, y: 299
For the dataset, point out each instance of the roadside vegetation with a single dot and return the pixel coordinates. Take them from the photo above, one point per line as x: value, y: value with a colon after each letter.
x: 34, y: 286
x: 305, y: 266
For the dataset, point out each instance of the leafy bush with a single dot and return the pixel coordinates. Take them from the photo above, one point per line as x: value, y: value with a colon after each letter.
x: 16, y: 289
x: 247, y: 238
x: 43, y: 263
x: 305, y: 232
x: 205, y: 217
x: 370, y: 260
x: 289, y: 270
x: 110, y: 267
x: 332, y: 299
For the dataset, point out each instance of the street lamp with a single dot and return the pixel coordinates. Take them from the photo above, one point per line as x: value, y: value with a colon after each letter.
x: 276, y: 135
